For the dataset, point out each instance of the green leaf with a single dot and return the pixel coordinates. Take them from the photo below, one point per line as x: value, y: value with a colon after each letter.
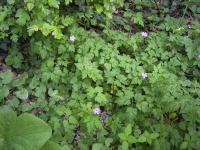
x: 125, y: 146
x: 54, y: 3
x: 46, y: 29
x: 4, y: 91
x: 128, y: 129
x: 141, y: 139
x: 11, y: 1
x: 25, y: 132
x: 131, y: 139
x: 101, y: 98
x: 51, y: 146
x: 22, y: 17
x: 122, y: 136
x: 30, y: 6
x: 57, y: 33
x: 108, y: 142
x: 67, y: 20
x: 32, y: 29
x: 14, y: 58
x: 97, y: 146
x: 184, y: 145
x: 154, y: 135
x: 72, y: 120
x: 6, y: 77
x: 99, y: 8
x: 138, y: 19
x: 67, y: 2
x: 22, y: 94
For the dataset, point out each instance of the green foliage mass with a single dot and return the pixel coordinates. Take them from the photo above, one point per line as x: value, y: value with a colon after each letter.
x: 67, y: 57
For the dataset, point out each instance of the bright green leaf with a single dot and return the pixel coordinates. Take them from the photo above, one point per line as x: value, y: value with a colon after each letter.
x: 54, y: 3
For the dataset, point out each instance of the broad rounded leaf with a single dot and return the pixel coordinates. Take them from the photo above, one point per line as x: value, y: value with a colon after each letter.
x: 51, y: 146
x: 142, y: 139
x: 22, y: 94
x: 97, y: 146
x: 24, y: 132
x: 4, y: 91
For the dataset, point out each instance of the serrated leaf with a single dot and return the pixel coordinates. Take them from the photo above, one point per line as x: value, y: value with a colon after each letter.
x: 138, y: 19
x: 68, y: 20
x: 14, y: 59
x: 54, y: 3
x: 32, y: 29
x: 72, y: 120
x: 101, y: 98
x: 22, y: 17
x: 46, y: 29
x: 6, y: 77
x: 57, y: 33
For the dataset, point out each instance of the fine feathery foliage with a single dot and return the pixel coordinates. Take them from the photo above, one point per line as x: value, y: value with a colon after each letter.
x: 100, y: 75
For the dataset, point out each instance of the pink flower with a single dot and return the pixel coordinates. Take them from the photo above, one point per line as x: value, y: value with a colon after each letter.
x: 72, y: 38
x: 144, y: 75
x: 198, y: 56
x: 96, y: 111
x: 144, y: 34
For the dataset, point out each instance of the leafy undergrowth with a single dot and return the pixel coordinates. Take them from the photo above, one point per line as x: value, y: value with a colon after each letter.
x: 103, y: 77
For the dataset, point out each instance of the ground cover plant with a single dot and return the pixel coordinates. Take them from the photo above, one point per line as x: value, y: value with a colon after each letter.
x: 100, y: 75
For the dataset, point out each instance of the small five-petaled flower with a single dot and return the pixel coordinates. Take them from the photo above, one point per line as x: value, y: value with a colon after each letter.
x: 96, y: 111
x: 72, y: 38
x: 144, y: 75
x: 144, y: 34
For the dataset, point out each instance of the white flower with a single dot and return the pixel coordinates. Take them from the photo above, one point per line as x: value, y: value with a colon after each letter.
x: 189, y: 26
x: 144, y: 75
x: 96, y: 110
x: 72, y: 38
